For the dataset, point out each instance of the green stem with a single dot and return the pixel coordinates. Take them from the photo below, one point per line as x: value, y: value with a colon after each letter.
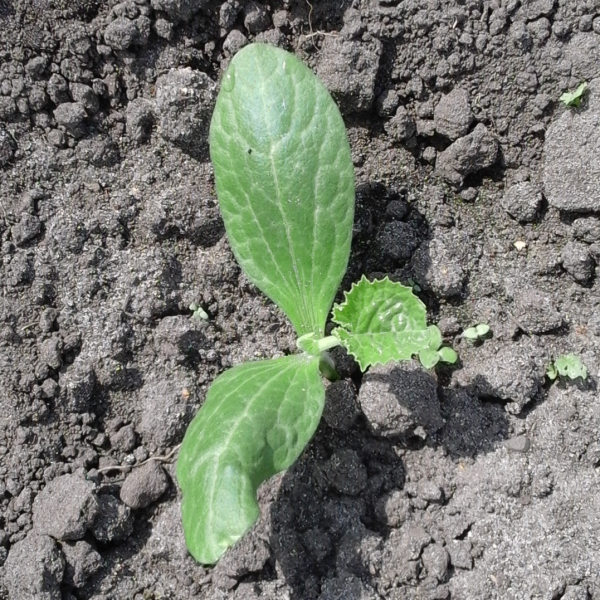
x: 327, y: 343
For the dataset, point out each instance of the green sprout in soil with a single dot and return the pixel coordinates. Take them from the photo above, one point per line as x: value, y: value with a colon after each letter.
x: 567, y: 365
x: 198, y: 312
x: 285, y: 184
x: 573, y: 99
x: 477, y: 332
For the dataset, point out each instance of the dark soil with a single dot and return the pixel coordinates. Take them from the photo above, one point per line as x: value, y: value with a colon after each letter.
x: 474, y: 183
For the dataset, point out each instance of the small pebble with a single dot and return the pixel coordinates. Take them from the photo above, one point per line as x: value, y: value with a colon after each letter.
x: 519, y: 444
x: 144, y: 485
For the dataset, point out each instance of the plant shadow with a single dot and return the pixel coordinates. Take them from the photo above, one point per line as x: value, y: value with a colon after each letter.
x: 327, y: 521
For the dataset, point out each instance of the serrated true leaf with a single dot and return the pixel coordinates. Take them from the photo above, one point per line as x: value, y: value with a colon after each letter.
x: 381, y: 321
x: 256, y: 420
x: 285, y: 181
x: 570, y: 365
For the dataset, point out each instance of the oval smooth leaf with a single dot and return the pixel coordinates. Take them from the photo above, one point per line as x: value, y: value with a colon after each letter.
x: 285, y: 181
x: 256, y: 420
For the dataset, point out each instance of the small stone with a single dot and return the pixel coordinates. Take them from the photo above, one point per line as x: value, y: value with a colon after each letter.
x: 165, y: 412
x: 36, y: 66
x: 401, y: 126
x: 575, y: 592
x: 393, y: 508
x: 522, y: 201
x: 256, y: 18
x: 234, y: 42
x: 429, y: 154
x: 78, y: 508
x: 539, y: 8
x: 121, y: 33
x: 8, y: 108
x: 85, y: 95
x: 349, y: 70
x: 398, y: 399
x: 34, y: 569
x: 139, y: 119
x: 163, y: 28
x: 123, y: 439
x: 518, y: 444
x: 387, y: 103
x: 535, y: 311
x: 77, y: 385
x: 508, y: 372
x: 577, y: 261
x: 436, y: 561
x: 467, y: 155
x: 452, y: 115
x: 82, y: 561
x: 184, y: 103
x: 460, y: 554
x: 8, y: 146
x: 71, y: 116
x: 49, y: 388
x: 438, y: 266
x: 249, y: 555
x: 469, y: 194
x: 179, y: 10
x: 27, y: 229
x: 50, y: 352
x: 430, y: 491
x: 57, y: 138
x: 144, y: 485
x: 587, y: 229
x: 114, y: 521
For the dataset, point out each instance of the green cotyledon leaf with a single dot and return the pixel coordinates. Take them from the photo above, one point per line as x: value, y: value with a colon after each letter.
x: 285, y: 181
x: 256, y: 420
x: 380, y: 321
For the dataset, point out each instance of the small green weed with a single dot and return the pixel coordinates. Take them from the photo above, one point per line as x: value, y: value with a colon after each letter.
x: 477, y: 332
x: 567, y: 365
x: 573, y: 99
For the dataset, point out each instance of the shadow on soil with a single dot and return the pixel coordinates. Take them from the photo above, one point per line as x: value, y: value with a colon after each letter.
x: 319, y: 532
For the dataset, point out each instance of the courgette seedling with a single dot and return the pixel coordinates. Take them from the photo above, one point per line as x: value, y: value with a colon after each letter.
x: 477, y: 332
x: 285, y: 184
x: 567, y: 365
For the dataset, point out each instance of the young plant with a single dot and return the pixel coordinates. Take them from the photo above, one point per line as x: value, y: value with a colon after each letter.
x: 567, y: 365
x: 574, y: 98
x: 477, y: 332
x: 285, y: 183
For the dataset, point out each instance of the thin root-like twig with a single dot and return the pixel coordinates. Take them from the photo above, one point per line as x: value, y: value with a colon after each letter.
x: 122, y: 468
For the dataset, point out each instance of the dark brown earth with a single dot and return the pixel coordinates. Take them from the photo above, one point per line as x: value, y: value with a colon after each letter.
x: 474, y: 184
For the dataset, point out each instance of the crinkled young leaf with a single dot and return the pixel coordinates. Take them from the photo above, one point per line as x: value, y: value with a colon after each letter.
x: 256, y: 420
x: 285, y: 181
x: 570, y: 365
x: 381, y: 321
